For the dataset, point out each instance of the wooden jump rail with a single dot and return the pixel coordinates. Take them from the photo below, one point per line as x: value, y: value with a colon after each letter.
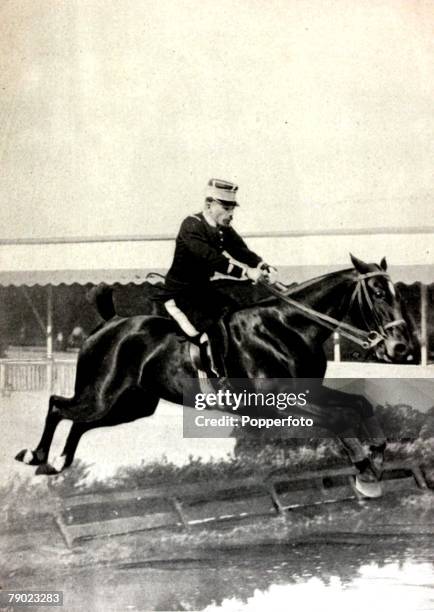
x: 186, y: 506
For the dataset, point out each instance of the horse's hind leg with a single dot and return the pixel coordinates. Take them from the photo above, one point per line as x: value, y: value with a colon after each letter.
x: 54, y: 416
x: 66, y: 458
x: 131, y: 405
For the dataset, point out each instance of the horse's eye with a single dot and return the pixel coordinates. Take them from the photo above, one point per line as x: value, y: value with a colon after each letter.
x: 379, y: 293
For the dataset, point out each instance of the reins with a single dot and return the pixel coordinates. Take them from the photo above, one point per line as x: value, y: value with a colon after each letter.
x: 365, y: 339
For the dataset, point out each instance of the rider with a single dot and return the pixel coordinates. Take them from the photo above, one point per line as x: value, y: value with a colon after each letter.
x: 206, y: 243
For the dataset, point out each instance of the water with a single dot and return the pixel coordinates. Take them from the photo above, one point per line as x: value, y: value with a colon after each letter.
x: 371, y: 575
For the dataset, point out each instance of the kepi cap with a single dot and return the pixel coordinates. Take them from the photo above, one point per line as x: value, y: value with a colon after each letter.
x: 224, y: 191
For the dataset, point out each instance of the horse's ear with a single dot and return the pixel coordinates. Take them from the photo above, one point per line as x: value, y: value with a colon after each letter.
x: 383, y: 264
x: 360, y: 265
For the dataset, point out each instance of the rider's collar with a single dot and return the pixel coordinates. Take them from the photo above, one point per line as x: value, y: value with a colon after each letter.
x: 209, y: 219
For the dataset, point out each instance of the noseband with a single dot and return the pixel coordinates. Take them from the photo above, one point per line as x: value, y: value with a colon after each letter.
x: 365, y: 339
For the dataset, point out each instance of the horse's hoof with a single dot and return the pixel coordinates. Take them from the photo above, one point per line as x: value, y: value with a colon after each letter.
x: 46, y: 469
x: 50, y: 469
x: 26, y: 456
x: 29, y: 457
x: 367, y: 485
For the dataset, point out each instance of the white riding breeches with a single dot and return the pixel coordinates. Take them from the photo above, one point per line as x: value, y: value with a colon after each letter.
x: 181, y: 318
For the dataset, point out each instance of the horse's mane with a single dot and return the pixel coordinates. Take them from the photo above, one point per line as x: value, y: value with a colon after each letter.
x: 133, y: 300
x: 262, y: 297
x: 317, y: 279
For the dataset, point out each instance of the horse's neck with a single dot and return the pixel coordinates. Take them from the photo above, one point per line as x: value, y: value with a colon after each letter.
x: 329, y: 295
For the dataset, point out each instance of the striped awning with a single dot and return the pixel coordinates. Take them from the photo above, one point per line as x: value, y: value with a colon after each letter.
x: 125, y: 276
x: 71, y: 277
x: 298, y: 257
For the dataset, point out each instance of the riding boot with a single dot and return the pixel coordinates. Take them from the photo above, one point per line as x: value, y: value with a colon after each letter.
x: 207, y: 362
x: 211, y: 357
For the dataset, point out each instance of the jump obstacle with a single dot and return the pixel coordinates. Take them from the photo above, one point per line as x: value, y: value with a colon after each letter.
x: 184, y: 507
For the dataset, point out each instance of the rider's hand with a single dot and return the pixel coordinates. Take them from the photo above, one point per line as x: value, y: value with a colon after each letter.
x: 272, y: 276
x: 269, y: 272
x: 254, y: 274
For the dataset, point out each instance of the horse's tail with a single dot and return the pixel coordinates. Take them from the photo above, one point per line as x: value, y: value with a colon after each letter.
x: 101, y: 297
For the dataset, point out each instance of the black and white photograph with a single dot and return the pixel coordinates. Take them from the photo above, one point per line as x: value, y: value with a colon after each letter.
x: 217, y: 305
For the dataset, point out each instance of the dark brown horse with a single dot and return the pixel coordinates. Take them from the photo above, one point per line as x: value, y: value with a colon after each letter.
x: 128, y: 364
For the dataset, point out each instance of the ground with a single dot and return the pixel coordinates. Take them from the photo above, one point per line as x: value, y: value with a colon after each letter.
x: 338, y: 549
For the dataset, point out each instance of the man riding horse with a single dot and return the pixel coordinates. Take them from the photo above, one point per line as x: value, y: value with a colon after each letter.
x: 128, y: 364
x: 206, y: 244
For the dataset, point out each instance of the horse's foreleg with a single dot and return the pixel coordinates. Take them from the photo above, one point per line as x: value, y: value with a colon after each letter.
x: 377, y: 442
x: 354, y: 448
x: 352, y: 412
x: 349, y: 415
x: 58, y: 464
x: 54, y: 416
x: 371, y: 430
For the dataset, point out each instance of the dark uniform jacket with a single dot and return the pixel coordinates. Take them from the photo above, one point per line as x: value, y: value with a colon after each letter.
x: 199, y: 254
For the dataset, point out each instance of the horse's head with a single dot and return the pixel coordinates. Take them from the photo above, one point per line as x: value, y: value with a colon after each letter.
x: 376, y: 304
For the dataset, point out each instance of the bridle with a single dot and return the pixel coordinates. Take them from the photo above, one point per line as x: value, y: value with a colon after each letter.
x: 365, y: 339
x: 361, y: 292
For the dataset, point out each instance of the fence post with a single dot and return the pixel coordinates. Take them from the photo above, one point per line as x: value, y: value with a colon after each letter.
x: 49, y: 322
x: 336, y: 346
x: 50, y: 376
x: 423, y: 325
x: 50, y: 339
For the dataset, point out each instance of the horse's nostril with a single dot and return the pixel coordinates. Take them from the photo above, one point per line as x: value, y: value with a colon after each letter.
x: 400, y: 348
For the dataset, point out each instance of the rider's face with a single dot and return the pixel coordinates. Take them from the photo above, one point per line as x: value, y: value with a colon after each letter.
x: 221, y: 213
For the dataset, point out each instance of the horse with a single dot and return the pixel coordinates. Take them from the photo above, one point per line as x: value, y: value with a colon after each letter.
x: 128, y: 364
